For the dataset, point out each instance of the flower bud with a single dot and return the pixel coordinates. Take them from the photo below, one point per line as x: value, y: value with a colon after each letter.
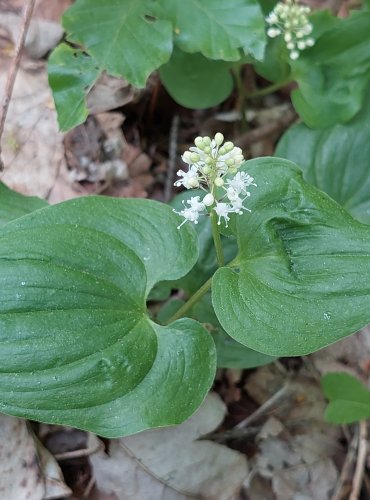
x: 207, y: 150
x: 219, y: 182
x: 194, y: 183
x: 222, y: 150
x: 194, y: 157
x: 208, y: 200
x: 198, y: 141
x: 206, y: 141
x: 219, y: 138
x: 228, y: 146
x: 186, y: 157
x: 206, y: 169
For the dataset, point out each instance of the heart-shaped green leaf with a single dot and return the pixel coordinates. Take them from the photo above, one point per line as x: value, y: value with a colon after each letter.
x: 349, y: 399
x: 333, y: 76
x: 301, y: 278
x: 195, y: 81
x: 14, y: 205
x: 336, y: 160
x: 77, y: 345
x: 216, y: 28
x: 124, y: 37
x: 71, y: 74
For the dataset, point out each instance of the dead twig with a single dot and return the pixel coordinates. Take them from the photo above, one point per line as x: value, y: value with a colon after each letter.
x: 346, y: 469
x: 256, y: 135
x: 266, y: 406
x: 12, y: 73
x: 361, y: 461
x: 172, y: 158
x: 83, y: 452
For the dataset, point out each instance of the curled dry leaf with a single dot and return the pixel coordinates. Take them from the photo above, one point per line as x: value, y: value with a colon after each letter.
x: 171, y: 464
x: 27, y: 470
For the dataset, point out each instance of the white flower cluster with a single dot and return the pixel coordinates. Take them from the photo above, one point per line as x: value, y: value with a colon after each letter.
x: 214, y: 164
x: 291, y: 21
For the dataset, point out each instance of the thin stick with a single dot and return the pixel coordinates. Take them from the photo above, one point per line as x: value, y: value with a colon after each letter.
x: 267, y: 405
x: 172, y: 158
x: 12, y: 73
x: 361, y: 460
x: 346, y: 469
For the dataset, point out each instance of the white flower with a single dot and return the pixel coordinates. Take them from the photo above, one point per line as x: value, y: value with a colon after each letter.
x: 237, y: 205
x: 189, y: 179
x: 223, y: 210
x: 240, y: 182
x: 192, y: 212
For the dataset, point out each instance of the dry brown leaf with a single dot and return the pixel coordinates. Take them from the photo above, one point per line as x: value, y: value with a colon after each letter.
x: 27, y: 471
x: 171, y: 464
x: 42, y: 35
x: 296, y: 446
x: 32, y: 148
x: 110, y: 92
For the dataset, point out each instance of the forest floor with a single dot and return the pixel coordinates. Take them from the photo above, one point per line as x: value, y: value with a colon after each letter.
x: 266, y: 437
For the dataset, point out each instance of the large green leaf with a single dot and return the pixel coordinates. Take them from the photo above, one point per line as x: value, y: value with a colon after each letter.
x: 195, y: 81
x: 349, y: 399
x: 336, y: 160
x: 14, y: 205
x: 333, y: 75
x: 71, y: 74
x: 301, y: 279
x: 216, y: 28
x: 123, y: 36
x: 77, y: 345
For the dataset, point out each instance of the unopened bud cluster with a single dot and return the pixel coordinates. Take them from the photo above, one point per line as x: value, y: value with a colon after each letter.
x: 214, y: 164
x: 291, y: 21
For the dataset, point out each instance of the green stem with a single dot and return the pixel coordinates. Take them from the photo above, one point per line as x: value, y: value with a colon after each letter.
x: 217, y: 240
x: 189, y: 304
x: 268, y: 90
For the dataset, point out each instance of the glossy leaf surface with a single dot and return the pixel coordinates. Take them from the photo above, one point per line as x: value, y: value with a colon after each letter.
x: 14, y: 205
x: 349, y: 399
x: 77, y: 345
x: 195, y: 81
x: 123, y: 36
x: 333, y: 75
x: 301, y: 277
x: 216, y: 28
x: 71, y: 74
x: 336, y: 160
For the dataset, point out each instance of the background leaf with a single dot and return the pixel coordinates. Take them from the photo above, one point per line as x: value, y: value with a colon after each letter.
x: 71, y: 74
x: 333, y: 75
x: 77, y: 345
x: 349, y: 399
x: 216, y: 28
x: 14, y: 205
x: 124, y: 37
x: 336, y: 160
x: 301, y: 278
x: 195, y: 81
